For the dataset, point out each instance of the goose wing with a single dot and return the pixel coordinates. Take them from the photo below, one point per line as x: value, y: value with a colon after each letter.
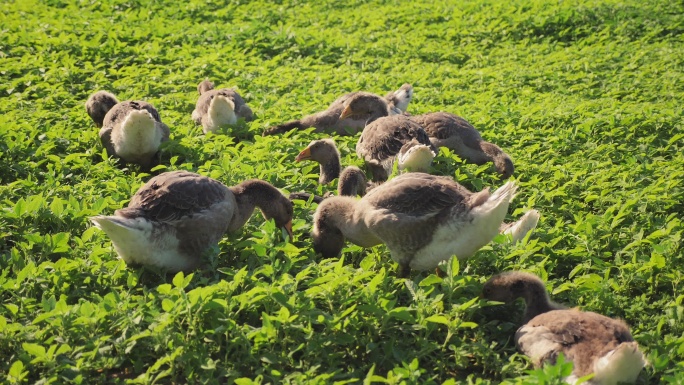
x: 383, y: 138
x: 582, y: 337
x: 443, y: 125
x: 172, y: 195
x: 106, y: 139
x: 418, y: 195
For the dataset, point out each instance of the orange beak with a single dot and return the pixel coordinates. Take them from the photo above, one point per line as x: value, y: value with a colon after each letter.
x: 304, y: 155
x: 346, y: 113
x: 288, y: 228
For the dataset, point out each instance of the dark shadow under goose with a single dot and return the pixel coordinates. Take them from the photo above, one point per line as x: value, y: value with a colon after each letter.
x: 454, y: 132
x: 423, y: 220
x: 176, y: 216
x: 332, y: 120
x: 593, y: 342
x: 216, y: 108
x: 131, y: 131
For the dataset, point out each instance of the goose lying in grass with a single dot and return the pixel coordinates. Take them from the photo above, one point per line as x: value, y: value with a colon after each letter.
x: 131, y: 131
x: 423, y: 219
x: 452, y: 131
x: 333, y: 121
x: 216, y: 108
x: 594, y: 343
x: 178, y: 215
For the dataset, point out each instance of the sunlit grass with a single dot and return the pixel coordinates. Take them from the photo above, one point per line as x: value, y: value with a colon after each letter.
x: 586, y: 97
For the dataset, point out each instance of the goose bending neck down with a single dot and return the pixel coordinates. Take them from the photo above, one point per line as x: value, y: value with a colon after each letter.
x: 423, y: 220
x: 352, y: 181
x: 131, y: 131
x: 176, y: 216
x: 337, y: 118
x: 454, y: 132
x: 593, y: 342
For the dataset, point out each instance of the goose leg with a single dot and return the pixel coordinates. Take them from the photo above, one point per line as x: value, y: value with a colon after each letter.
x: 404, y: 270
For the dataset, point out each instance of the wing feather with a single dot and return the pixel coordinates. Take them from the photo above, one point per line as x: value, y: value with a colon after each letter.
x: 172, y: 195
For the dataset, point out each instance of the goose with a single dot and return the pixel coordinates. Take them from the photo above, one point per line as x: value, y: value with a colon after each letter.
x: 216, y: 108
x: 423, y: 219
x: 454, y: 132
x: 332, y: 120
x: 593, y: 342
x: 177, y: 215
x: 130, y: 131
x: 352, y: 181
x: 383, y: 138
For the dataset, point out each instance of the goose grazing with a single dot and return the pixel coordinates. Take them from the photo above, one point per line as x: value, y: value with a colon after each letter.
x: 332, y: 120
x: 131, y: 131
x: 452, y: 131
x: 383, y: 139
x: 593, y: 342
x: 216, y: 108
x: 178, y: 215
x: 423, y: 219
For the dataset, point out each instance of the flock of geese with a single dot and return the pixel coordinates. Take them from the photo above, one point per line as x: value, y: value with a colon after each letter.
x: 423, y: 219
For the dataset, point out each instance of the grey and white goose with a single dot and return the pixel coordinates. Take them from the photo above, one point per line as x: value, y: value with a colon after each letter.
x: 423, y: 219
x: 216, y: 108
x: 176, y: 216
x: 332, y: 120
x: 454, y: 132
x: 130, y: 131
x: 593, y: 342
x: 384, y: 136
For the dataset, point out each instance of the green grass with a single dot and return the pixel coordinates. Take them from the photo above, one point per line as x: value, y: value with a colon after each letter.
x: 587, y: 98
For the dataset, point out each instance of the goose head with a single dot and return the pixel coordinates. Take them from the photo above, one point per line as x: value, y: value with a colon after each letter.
x: 323, y: 151
x: 352, y: 182
x: 509, y: 286
x: 328, y: 239
x: 98, y: 104
x: 204, y: 86
x: 365, y: 106
x: 415, y: 157
x: 401, y: 98
x: 272, y: 203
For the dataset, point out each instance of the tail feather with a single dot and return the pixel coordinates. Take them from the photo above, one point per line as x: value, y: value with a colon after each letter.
x: 623, y: 364
x: 505, y: 193
x: 520, y: 228
x: 130, y: 237
x: 138, y: 135
x: 117, y: 228
x: 221, y: 111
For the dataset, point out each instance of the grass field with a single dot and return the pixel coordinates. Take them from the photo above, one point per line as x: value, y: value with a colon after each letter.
x: 587, y: 98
